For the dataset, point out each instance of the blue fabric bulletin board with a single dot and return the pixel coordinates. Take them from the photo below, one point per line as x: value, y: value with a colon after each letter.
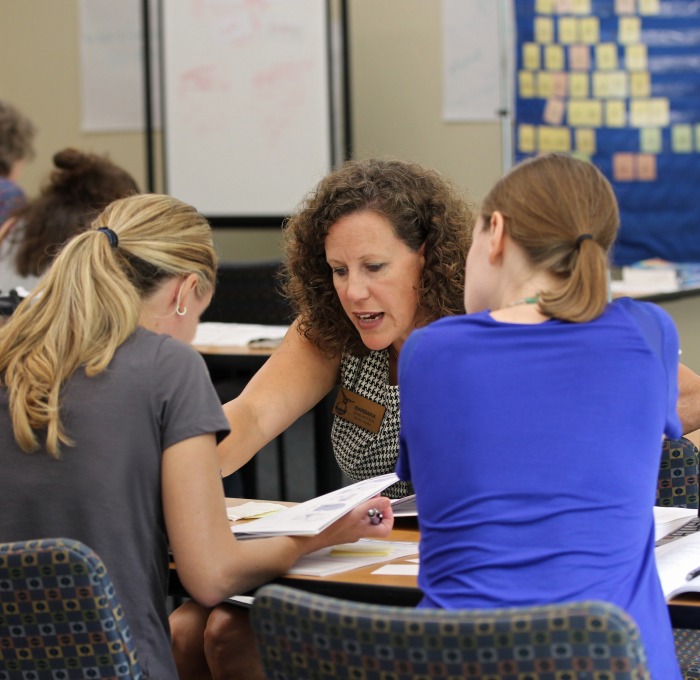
x: 618, y: 82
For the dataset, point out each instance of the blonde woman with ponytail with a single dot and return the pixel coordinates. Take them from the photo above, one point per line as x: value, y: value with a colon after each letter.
x: 531, y: 426
x: 109, y: 423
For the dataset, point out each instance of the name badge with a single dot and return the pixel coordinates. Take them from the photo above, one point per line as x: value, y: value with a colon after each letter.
x: 358, y: 410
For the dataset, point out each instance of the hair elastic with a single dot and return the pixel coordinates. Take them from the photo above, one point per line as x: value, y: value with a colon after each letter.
x: 113, y: 238
x: 580, y: 239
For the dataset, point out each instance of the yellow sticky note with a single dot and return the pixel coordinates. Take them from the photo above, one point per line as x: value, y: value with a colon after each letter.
x: 649, y: 7
x: 544, y: 6
x: 697, y: 136
x: 590, y: 30
x: 640, y: 113
x: 554, y: 57
x: 650, y: 140
x: 526, y: 138
x: 615, y: 113
x: 531, y: 56
x: 353, y: 549
x: 640, y: 84
x: 579, y: 85
x: 568, y: 30
x: 544, y: 30
x: 636, y: 58
x: 629, y: 30
x: 526, y: 84
x: 585, y: 113
x: 610, y: 85
x: 585, y: 141
x: 556, y: 139
x: 606, y: 56
x: 660, y: 111
x: 545, y: 85
x: 681, y: 138
x: 581, y: 6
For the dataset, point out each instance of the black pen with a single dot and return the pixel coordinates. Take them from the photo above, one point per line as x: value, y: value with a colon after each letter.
x: 693, y: 574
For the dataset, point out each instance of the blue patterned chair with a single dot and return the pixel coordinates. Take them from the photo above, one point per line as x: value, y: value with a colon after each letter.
x: 678, y: 474
x: 303, y: 636
x: 59, y: 615
x: 678, y: 487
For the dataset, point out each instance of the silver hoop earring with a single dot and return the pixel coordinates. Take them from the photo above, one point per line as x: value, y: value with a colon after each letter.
x: 181, y: 313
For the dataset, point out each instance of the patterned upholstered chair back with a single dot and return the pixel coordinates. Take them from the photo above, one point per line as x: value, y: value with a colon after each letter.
x: 678, y: 474
x: 249, y: 292
x: 59, y: 616
x: 312, y: 637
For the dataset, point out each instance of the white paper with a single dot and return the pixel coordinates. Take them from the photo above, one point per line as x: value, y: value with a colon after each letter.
x: 217, y: 334
x: 675, y: 560
x: 471, y: 60
x: 667, y: 520
x: 311, y: 517
x: 405, y: 507
x: 328, y: 561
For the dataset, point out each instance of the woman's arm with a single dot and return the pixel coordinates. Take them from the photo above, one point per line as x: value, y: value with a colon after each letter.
x: 291, y: 382
x: 211, y: 563
x: 688, y: 399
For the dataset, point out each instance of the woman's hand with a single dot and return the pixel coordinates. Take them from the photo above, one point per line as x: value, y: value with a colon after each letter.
x: 358, y: 524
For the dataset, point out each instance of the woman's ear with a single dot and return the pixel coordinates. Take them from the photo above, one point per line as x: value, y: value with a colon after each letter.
x: 188, y: 284
x: 497, y: 233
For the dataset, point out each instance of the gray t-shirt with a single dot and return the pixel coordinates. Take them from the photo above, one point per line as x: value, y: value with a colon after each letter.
x: 105, y: 491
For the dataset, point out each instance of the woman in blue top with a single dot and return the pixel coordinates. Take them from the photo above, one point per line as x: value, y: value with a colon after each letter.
x: 522, y: 421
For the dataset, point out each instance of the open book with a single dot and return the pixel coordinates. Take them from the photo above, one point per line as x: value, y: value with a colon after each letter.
x: 312, y: 517
x: 676, y: 562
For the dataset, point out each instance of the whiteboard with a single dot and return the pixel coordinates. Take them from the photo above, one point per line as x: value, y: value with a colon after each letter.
x: 247, y: 104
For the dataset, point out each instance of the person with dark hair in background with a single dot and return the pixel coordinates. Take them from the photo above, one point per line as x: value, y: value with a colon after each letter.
x: 16, y: 148
x: 79, y: 187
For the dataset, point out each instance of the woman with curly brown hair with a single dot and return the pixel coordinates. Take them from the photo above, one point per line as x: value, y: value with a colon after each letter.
x: 375, y: 251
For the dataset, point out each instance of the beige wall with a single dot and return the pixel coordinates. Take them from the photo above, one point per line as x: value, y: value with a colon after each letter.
x: 395, y: 65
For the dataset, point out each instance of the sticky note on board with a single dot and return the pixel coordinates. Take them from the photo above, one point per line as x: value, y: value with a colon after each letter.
x: 681, y: 138
x: 590, y: 30
x: 526, y: 84
x: 544, y: 30
x: 697, y: 136
x: 629, y: 30
x: 585, y: 113
x: 531, y: 56
x: 554, y: 57
x: 526, y: 138
x: 646, y: 167
x: 568, y: 30
x: 579, y: 58
x: 650, y: 140
x: 554, y: 112
x: 544, y: 6
x: 625, y: 6
x: 636, y: 57
x: 624, y: 167
x: 579, y: 85
x: 560, y: 83
x: 615, y: 114
x: 610, y: 85
x: 640, y: 84
x: 545, y: 85
x: 606, y: 56
x: 581, y: 6
x: 554, y: 139
x: 649, y: 7
x: 585, y: 141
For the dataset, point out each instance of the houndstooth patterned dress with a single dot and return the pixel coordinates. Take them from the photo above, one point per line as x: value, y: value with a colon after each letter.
x: 362, y: 454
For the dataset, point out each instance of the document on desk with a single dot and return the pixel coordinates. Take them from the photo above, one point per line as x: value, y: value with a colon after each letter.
x: 667, y: 520
x: 678, y: 564
x: 312, y: 517
x: 339, y: 558
x: 216, y: 334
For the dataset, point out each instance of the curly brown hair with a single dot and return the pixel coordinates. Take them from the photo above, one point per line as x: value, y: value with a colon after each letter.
x: 423, y: 207
x: 16, y: 137
x: 80, y: 186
